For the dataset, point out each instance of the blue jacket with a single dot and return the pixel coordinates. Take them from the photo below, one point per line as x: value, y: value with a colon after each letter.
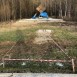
x: 44, y: 14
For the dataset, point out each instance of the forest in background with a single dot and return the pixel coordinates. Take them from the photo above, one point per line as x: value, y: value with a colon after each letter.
x: 19, y: 9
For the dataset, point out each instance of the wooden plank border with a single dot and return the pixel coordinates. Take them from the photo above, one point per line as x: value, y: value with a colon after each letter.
x: 72, y: 61
x: 36, y: 60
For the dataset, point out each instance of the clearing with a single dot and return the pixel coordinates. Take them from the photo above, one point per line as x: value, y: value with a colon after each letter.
x: 33, y: 40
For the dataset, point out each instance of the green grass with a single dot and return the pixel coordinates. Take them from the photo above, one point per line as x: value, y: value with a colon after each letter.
x: 59, y: 32
x: 37, y: 67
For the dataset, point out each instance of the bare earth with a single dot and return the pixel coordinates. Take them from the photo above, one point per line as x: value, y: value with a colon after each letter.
x: 43, y: 36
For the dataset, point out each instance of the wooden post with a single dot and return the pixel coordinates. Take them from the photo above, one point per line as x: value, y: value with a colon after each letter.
x: 3, y: 63
x: 73, y: 65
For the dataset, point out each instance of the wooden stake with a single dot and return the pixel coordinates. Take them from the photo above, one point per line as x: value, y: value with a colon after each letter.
x: 3, y: 63
x: 73, y: 65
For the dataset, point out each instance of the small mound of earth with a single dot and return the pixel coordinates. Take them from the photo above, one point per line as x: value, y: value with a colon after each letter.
x: 43, y: 36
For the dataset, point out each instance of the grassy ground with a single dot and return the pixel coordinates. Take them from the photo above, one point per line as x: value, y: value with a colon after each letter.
x: 65, y: 34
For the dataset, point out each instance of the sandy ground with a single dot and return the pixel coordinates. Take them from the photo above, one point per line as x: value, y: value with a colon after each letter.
x: 35, y: 21
x: 43, y: 36
x: 42, y: 20
x: 36, y: 75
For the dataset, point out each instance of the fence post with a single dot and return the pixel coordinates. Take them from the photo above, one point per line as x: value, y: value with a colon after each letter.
x: 73, y: 65
x: 3, y: 63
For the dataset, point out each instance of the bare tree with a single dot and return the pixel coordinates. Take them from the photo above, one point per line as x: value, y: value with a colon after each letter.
x: 18, y: 9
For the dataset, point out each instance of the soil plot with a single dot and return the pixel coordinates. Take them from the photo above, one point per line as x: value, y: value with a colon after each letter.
x: 43, y: 36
